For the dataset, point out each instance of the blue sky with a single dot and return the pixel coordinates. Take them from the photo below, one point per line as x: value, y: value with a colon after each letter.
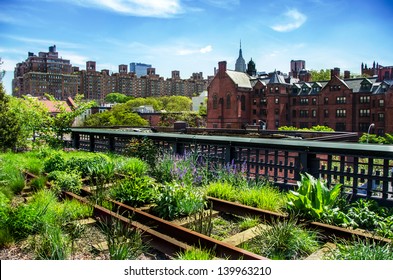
x: 193, y: 35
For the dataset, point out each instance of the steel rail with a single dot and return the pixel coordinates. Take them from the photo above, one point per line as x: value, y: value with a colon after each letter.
x: 269, y: 216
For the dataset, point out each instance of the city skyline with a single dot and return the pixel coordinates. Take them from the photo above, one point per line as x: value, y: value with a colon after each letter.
x: 192, y: 36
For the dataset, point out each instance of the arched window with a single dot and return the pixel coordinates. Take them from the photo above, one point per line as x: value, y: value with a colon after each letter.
x: 243, y: 103
x: 228, y: 101
x: 215, y: 102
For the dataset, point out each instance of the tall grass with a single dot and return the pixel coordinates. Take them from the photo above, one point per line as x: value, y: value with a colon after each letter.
x: 124, y: 242
x: 360, y: 250
x: 285, y: 240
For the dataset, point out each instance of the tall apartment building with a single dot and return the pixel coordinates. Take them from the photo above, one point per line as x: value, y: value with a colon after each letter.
x: 45, y: 73
x: 236, y: 99
x: 140, y: 69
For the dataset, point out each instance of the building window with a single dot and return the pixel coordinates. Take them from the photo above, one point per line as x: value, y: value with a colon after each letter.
x: 314, y: 101
x: 254, y: 102
x: 294, y: 113
x: 303, y: 113
x: 276, y: 101
x: 254, y: 112
x: 364, y: 112
x: 276, y: 111
x: 341, y: 113
x: 326, y: 113
x: 243, y: 102
x: 341, y: 100
x: 304, y: 101
x: 381, y: 102
x: 381, y: 116
x: 326, y: 100
x: 215, y: 102
x: 363, y: 127
x: 364, y: 99
x: 229, y: 101
x: 314, y: 113
x: 340, y: 127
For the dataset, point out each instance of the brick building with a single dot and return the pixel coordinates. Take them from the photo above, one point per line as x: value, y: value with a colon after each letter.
x: 236, y: 99
x: 47, y: 73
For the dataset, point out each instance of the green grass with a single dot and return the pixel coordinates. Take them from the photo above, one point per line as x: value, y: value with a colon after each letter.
x: 195, y: 254
x: 360, y: 250
x: 284, y: 240
x: 261, y: 196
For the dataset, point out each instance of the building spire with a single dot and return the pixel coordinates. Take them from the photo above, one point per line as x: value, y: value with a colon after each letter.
x: 240, y: 65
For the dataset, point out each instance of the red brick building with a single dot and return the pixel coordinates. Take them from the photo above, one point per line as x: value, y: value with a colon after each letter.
x: 236, y: 99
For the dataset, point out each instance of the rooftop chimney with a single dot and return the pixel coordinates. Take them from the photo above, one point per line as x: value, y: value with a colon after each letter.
x: 222, y: 68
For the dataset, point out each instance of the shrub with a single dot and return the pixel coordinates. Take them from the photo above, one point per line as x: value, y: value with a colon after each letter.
x: 176, y: 201
x: 144, y: 149
x: 55, y: 162
x: 134, y: 166
x: 134, y: 191
x: 51, y: 244
x: 65, y: 181
x: 5, y: 210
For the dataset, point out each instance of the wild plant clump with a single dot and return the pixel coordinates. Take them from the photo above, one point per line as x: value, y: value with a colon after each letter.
x: 285, y: 240
x: 176, y: 201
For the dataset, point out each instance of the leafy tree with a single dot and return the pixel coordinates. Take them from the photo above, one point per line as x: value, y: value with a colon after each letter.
x: 321, y: 75
x: 63, y: 120
x: 176, y: 103
x: 116, y: 97
x: 203, y: 108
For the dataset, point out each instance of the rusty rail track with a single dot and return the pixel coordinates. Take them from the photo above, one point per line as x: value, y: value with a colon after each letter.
x: 330, y: 231
x: 170, y: 238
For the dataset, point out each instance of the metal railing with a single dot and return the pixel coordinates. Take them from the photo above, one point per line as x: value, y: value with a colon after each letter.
x: 364, y: 170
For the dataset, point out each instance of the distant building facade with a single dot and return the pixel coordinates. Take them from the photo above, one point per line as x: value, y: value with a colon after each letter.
x: 236, y: 99
x: 47, y: 73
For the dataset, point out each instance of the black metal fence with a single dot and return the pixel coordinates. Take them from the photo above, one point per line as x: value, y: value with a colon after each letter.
x: 364, y: 170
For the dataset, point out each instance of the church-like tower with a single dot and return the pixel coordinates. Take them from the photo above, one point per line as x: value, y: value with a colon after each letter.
x: 240, y: 62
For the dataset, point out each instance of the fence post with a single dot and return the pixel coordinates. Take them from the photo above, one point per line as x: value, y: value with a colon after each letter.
x: 178, y: 148
x: 309, y: 163
x: 92, y: 142
x: 230, y: 153
x: 112, y: 145
x: 75, y: 140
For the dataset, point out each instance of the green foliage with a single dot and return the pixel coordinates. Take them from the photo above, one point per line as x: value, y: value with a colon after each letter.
x: 133, y: 166
x: 374, y: 139
x: 176, y: 201
x: 51, y: 244
x: 248, y: 222
x: 262, y: 196
x: 55, y: 162
x: 313, y: 128
x: 124, y: 242
x: 5, y: 210
x: 313, y: 197
x: 116, y: 116
x: 134, y: 191
x: 195, y: 254
x: 38, y: 183
x: 321, y: 75
x: 10, y: 126
x: 285, y: 240
x: 360, y: 250
x: 115, y: 97
x: 144, y: 149
x: 65, y: 181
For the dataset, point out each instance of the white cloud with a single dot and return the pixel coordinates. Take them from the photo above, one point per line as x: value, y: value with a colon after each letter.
x: 143, y: 8
x: 293, y: 20
x: 203, y: 50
